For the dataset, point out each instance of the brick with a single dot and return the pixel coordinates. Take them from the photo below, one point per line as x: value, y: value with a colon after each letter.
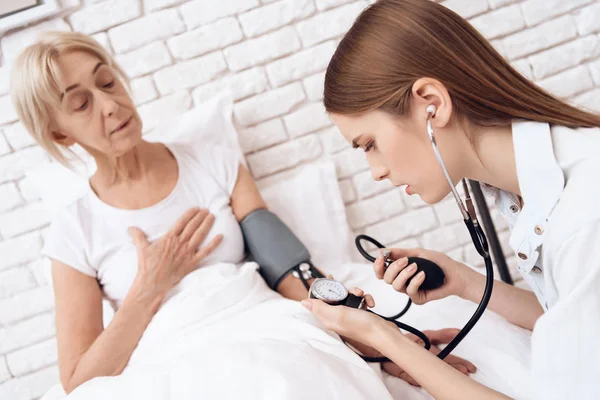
x: 66, y: 4
x: 150, y: 28
x: 568, y: 83
x: 30, y: 386
x: 146, y: 59
x: 28, y: 190
x: 200, y: 12
x: 205, y: 39
x: 153, y: 5
x: 589, y: 100
x: 242, y: 85
x: 15, y: 280
x: 104, y: 15
x: 314, y: 85
x: 327, y: 4
x: 20, y: 250
x: 541, y: 37
x: 268, y: 105
x: 565, y: 56
x: 447, y: 237
x: 329, y: 24
x: 33, y: 358
x: 7, y: 111
x: 23, y: 219
x: 536, y: 11
x: 4, y: 80
x: 41, y: 270
x: 347, y: 191
x: 273, y: 16
x: 102, y: 38
x: 166, y: 107
x: 14, y: 165
x: 349, y: 162
x: 18, y: 137
x: 403, y: 226
x: 500, y: 3
x: 511, y: 17
x: 366, y: 186
x: 332, y: 140
x: 595, y: 70
x: 263, y: 135
x: 306, y: 120
x: 4, y: 147
x: 447, y: 212
x: 26, y: 304
x: 363, y: 213
x: 284, y: 156
x: 9, y: 197
x: 300, y: 64
x: 4, y: 372
x: 523, y: 67
x: 143, y: 90
x: 187, y: 74
x: 13, y: 43
x: 467, y: 9
x: 265, y: 48
x: 587, y: 19
x: 26, y: 333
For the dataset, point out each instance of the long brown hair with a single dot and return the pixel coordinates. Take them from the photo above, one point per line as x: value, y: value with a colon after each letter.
x: 393, y: 43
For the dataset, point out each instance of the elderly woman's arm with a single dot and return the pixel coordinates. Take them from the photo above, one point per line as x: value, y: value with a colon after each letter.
x: 85, y: 349
x: 245, y: 199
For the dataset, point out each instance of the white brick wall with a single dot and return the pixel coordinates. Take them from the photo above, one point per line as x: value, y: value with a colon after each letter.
x: 273, y: 55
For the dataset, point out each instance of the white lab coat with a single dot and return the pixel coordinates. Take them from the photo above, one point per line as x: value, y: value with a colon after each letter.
x: 556, y: 237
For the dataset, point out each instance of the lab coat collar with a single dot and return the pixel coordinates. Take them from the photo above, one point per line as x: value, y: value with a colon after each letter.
x: 541, y: 181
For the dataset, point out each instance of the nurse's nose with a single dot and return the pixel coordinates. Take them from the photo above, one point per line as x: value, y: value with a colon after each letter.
x: 379, y: 173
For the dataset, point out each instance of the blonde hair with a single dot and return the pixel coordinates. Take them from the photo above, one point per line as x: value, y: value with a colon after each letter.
x: 35, y: 83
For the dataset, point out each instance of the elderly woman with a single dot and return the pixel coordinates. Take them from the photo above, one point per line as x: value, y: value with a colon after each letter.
x: 153, y: 213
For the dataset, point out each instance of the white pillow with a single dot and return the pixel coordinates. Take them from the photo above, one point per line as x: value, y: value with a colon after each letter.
x: 209, y: 122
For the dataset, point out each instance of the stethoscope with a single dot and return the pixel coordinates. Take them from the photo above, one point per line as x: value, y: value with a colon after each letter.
x: 335, y: 293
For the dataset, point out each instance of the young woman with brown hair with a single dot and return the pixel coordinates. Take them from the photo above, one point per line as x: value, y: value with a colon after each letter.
x: 406, y: 62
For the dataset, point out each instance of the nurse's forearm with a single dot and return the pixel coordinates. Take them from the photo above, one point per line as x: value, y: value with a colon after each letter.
x: 440, y: 379
x: 518, y: 306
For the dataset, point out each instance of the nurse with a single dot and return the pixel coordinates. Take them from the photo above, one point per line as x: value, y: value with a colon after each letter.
x: 538, y: 156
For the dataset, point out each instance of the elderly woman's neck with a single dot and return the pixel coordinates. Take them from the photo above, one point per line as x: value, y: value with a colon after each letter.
x: 131, y: 166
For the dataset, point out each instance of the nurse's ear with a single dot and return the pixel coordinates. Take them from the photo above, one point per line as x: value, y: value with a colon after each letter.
x: 428, y: 91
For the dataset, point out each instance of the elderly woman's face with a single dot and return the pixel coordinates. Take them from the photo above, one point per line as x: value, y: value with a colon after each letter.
x: 96, y: 111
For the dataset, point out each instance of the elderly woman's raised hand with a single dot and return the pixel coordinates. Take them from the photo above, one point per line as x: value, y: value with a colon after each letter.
x: 164, y: 262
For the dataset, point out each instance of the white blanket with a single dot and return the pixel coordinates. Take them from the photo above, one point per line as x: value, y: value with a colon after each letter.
x: 223, y: 334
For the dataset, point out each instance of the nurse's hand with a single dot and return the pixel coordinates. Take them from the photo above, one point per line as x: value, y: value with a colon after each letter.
x: 369, y: 330
x: 457, y: 274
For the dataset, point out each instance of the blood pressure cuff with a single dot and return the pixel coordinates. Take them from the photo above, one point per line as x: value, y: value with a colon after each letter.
x: 272, y: 245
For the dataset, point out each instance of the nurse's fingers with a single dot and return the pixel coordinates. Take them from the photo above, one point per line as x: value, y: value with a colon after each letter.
x: 413, y: 287
x: 379, y: 267
x: 399, y: 284
x: 369, y: 301
x: 394, y: 269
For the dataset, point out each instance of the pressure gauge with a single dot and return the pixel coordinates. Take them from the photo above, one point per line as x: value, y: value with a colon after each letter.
x: 334, y: 293
x: 328, y: 290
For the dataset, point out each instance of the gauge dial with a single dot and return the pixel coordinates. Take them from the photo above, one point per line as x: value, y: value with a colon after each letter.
x: 329, y: 290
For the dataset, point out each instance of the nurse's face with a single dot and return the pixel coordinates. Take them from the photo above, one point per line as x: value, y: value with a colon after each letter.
x: 399, y: 149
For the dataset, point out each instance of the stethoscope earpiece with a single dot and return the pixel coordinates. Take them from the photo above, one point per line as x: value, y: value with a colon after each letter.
x: 431, y: 109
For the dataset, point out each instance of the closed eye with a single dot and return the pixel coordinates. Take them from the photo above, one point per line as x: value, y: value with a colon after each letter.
x: 369, y: 146
x: 109, y: 85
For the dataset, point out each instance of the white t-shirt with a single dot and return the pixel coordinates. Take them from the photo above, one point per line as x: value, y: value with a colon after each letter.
x: 91, y: 236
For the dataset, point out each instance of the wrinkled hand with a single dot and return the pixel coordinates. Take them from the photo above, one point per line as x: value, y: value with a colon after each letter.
x: 164, y: 262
